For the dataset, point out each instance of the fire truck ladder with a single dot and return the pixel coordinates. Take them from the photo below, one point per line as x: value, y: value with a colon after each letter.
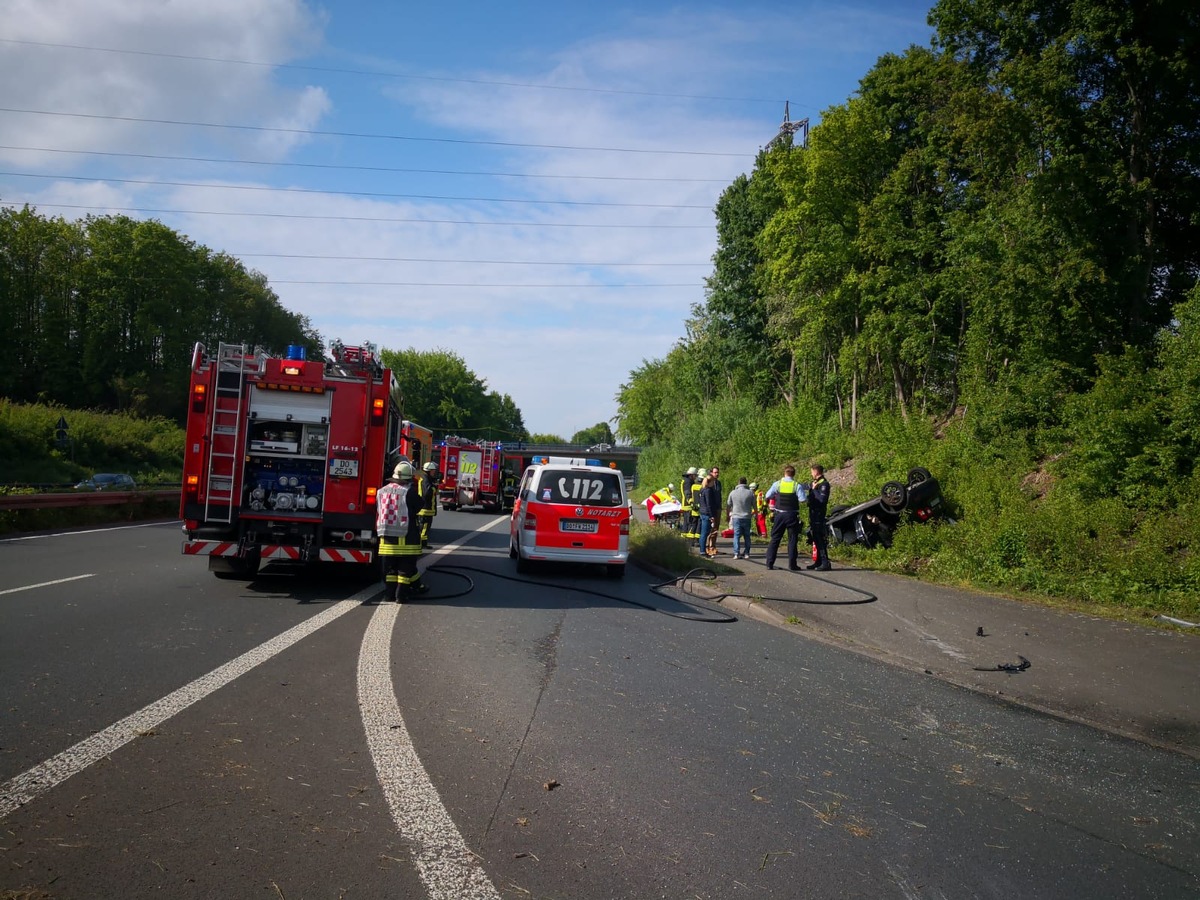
x: 225, y: 432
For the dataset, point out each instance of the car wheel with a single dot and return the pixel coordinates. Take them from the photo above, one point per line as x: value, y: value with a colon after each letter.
x: 918, y: 475
x: 893, y: 496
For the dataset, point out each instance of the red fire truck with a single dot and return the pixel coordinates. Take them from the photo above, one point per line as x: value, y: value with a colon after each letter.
x: 476, y: 474
x: 284, y: 456
x: 416, y: 443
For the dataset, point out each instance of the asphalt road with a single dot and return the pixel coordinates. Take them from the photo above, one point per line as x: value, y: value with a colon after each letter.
x: 166, y: 733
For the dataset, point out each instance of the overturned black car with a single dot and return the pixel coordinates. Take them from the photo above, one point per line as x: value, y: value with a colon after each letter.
x: 872, y: 522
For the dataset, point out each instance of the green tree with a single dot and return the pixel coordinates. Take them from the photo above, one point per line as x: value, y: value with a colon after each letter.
x: 1112, y: 90
x: 733, y: 320
x: 439, y: 391
x: 600, y: 433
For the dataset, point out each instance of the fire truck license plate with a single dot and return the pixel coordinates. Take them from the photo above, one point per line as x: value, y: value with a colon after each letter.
x: 585, y: 525
x: 343, y: 468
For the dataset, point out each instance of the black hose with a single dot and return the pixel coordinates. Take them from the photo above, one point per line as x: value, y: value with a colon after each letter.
x: 681, y: 582
x: 864, y: 596
x: 457, y: 570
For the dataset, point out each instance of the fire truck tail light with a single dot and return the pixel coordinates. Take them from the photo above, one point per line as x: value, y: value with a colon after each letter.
x: 377, y: 407
x: 348, y: 536
x: 371, y: 495
x: 192, y: 483
x: 198, y: 393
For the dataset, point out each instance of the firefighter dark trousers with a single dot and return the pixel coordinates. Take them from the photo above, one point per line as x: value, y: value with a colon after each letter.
x: 399, y: 558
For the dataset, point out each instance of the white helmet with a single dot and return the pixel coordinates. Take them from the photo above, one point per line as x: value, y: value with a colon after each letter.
x: 670, y: 487
x: 691, y: 471
x: 754, y: 485
x: 403, y: 471
x: 430, y: 466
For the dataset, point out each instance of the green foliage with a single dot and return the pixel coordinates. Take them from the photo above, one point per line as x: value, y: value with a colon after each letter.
x: 439, y: 391
x: 151, y: 450
x: 984, y: 263
x: 103, y: 313
x: 665, y: 548
x: 600, y: 433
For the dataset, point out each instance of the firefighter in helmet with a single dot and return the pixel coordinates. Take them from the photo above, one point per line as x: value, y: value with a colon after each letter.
x: 697, y: 483
x: 398, y: 524
x: 427, y: 486
x: 760, y: 510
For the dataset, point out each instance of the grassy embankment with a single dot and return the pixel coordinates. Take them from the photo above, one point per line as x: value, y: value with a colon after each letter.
x: 31, y: 460
x: 1021, y: 525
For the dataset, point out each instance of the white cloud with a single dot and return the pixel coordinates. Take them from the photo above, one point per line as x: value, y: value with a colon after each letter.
x: 82, y: 76
x: 560, y: 352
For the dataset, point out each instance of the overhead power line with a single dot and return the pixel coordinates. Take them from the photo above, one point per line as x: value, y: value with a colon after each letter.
x: 332, y: 218
x: 474, y: 262
x: 364, y: 134
x: 289, y: 190
x: 345, y: 168
x: 492, y: 284
x: 334, y: 70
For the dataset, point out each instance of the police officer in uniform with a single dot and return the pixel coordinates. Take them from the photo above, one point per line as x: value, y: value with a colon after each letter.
x: 398, y: 525
x: 818, y: 504
x: 787, y: 493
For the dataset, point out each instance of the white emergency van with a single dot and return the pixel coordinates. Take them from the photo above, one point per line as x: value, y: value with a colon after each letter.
x: 571, y: 512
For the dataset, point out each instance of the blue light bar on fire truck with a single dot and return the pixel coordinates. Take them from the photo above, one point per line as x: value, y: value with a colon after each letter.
x: 563, y: 461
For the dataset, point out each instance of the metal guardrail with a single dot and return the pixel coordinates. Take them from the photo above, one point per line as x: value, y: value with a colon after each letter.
x: 66, y: 500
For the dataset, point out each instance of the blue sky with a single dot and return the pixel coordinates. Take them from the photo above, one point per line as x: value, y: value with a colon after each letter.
x: 529, y: 185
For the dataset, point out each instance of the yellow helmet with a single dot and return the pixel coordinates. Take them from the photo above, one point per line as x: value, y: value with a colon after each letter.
x: 403, y: 471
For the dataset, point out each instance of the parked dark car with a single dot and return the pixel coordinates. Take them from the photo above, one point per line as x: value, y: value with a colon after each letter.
x: 872, y: 523
x: 107, y: 481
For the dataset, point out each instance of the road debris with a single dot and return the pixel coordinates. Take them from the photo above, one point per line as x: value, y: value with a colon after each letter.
x: 1011, y: 668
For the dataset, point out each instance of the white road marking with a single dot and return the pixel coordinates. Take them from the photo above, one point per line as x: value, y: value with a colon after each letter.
x: 445, y: 865
x: 30, y: 587
x: 44, y: 776
x: 447, y: 868
x: 949, y: 649
x: 38, y: 537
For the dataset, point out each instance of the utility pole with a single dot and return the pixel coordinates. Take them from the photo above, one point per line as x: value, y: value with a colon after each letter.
x: 788, y: 129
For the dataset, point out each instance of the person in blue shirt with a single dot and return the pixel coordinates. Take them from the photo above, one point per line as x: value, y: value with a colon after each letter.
x: 709, y: 499
x: 788, y: 494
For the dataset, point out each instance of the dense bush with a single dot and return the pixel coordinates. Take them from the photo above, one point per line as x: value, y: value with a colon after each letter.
x: 151, y: 450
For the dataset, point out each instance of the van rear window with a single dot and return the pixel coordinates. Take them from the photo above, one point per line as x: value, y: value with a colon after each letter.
x: 599, y: 487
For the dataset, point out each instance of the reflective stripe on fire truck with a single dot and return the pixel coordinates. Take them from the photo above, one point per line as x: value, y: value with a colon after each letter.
x: 210, y: 548
x: 275, y: 551
x: 349, y: 556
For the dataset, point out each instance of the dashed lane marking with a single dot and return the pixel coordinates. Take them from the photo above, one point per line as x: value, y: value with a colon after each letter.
x: 54, y: 771
x: 42, y: 584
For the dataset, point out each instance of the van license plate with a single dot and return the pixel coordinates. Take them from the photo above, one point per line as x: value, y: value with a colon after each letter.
x: 587, y: 526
